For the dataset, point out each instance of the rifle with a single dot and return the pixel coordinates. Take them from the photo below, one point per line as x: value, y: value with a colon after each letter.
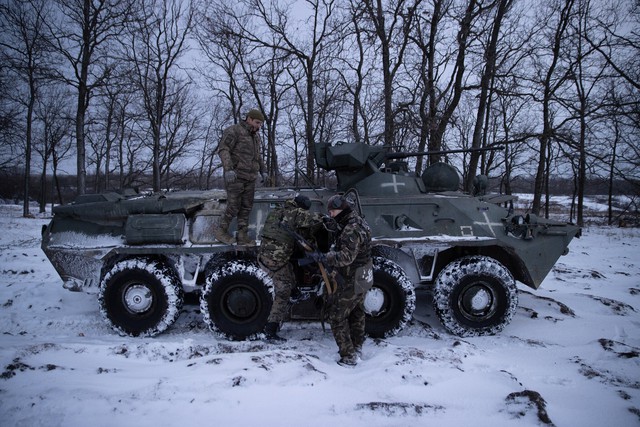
x: 331, y: 278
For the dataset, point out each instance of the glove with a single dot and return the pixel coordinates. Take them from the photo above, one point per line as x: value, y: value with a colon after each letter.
x: 318, y: 257
x: 311, y: 258
x: 264, y: 176
x: 230, y: 177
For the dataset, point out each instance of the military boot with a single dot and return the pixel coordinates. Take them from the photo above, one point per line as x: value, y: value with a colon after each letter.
x: 271, y: 332
x: 221, y: 232
x: 348, y: 361
x: 244, y: 239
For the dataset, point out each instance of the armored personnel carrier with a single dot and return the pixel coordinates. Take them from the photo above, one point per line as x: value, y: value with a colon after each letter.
x: 141, y: 254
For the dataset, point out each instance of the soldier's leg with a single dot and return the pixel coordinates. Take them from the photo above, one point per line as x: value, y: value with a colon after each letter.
x: 283, y: 281
x: 338, y: 316
x: 357, y: 324
x: 246, y: 203
x: 234, y: 200
x: 234, y: 191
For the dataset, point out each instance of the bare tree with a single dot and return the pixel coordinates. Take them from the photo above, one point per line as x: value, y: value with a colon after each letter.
x: 618, y: 25
x: 83, y: 36
x: 354, y: 65
x: 181, y: 129
x: 53, y: 143
x: 206, y: 167
x: 486, y: 87
x: 266, y: 25
x: 24, y: 48
x: 614, y: 36
x: 392, y: 25
x: 587, y: 74
x: 113, y: 99
x: 264, y: 78
x: 560, y: 17
x: 9, y: 112
x: 425, y: 38
x: 442, y: 68
x: 222, y: 53
x: 158, y: 41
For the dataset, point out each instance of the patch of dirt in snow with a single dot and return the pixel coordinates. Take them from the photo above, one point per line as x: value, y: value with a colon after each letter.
x: 528, y: 403
x: 567, y: 273
x: 608, y: 376
x: 620, y: 349
x: 617, y: 307
x: 395, y: 409
x: 556, y: 308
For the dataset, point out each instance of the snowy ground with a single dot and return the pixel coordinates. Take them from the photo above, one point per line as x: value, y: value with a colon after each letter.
x: 570, y: 357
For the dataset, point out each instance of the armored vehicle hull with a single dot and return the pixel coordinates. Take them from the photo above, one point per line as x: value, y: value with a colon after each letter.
x: 142, y: 253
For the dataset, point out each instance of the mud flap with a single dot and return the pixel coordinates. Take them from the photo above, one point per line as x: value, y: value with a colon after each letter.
x: 364, y: 278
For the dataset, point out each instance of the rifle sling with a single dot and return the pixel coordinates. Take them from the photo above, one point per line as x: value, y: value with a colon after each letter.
x: 325, y: 277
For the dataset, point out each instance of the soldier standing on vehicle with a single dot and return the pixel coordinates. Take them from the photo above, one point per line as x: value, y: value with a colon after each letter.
x: 239, y: 152
x: 351, y: 256
x: 276, y: 248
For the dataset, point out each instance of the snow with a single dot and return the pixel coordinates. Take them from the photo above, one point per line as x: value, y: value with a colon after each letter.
x: 569, y: 357
x: 72, y: 240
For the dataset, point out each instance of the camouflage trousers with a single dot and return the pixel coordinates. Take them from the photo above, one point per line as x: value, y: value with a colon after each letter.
x: 345, y: 313
x: 240, y: 196
x: 283, y: 279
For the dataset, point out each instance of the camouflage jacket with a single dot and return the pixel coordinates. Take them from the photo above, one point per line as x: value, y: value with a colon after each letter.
x: 352, y: 247
x: 239, y: 150
x: 276, y: 244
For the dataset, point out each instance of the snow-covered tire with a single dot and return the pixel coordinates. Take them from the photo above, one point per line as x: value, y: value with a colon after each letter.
x: 475, y: 295
x: 390, y: 303
x: 140, y: 297
x: 237, y: 299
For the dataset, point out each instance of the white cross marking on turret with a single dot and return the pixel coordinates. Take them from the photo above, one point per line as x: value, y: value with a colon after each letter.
x: 489, y: 224
x: 393, y: 184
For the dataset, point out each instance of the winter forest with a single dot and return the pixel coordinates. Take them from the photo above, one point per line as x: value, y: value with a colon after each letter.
x: 112, y: 94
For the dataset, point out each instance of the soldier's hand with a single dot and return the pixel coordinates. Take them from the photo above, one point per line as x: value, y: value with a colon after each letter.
x: 317, y: 256
x: 311, y: 258
x: 230, y: 177
x: 306, y: 260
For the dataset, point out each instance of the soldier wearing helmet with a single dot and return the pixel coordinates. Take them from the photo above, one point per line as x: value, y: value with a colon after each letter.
x: 351, y: 255
x: 276, y: 248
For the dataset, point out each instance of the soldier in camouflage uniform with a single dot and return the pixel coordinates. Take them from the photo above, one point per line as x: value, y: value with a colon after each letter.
x: 351, y: 256
x: 276, y: 248
x: 239, y: 152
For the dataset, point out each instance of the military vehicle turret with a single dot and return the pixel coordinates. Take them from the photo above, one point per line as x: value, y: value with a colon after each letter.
x: 142, y: 253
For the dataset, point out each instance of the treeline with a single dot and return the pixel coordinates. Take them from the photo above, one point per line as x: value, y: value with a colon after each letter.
x: 63, y: 190
x: 132, y: 89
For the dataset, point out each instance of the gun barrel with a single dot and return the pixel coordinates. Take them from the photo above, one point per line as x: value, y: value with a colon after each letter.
x: 437, y: 152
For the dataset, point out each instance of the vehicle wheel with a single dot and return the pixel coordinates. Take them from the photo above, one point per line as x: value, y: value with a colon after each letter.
x: 140, y: 297
x: 474, y: 296
x: 390, y: 303
x: 237, y: 299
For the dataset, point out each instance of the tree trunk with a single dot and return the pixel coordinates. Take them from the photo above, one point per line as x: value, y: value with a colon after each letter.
x: 443, y: 122
x: 485, y: 90
x: 27, y: 167
x: 549, y: 89
x: 309, y: 119
x: 612, y: 169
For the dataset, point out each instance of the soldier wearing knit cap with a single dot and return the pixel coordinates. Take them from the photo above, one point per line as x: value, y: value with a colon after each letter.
x: 351, y: 256
x: 239, y: 152
x: 255, y: 114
